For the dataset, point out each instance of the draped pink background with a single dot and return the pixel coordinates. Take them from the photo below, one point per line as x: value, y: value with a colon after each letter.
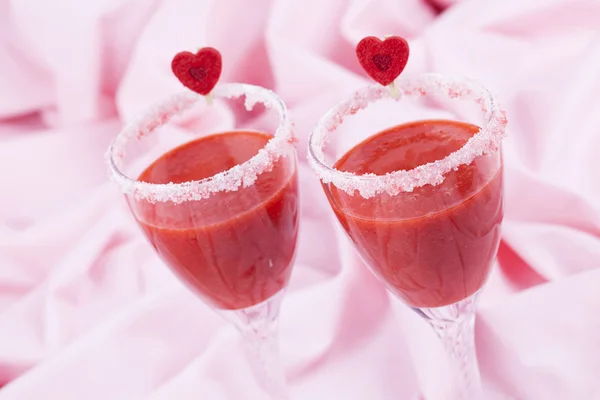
x: 87, y: 311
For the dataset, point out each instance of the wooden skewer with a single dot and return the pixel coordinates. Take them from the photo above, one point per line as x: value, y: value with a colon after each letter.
x: 393, y: 90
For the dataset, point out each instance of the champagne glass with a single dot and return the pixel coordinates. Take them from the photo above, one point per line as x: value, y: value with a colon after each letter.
x: 221, y: 210
x: 422, y: 200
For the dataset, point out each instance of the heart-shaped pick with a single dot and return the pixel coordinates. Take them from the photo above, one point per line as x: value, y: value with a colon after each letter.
x: 198, y: 72
x: 383, y: 60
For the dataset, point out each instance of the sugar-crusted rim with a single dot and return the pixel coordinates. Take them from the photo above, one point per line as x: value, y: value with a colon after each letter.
x: 244, y: 174
x: 486, y: 141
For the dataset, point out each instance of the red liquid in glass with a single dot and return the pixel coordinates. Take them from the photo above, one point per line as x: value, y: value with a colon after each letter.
x: 235, y: 248
x: 433, y: 246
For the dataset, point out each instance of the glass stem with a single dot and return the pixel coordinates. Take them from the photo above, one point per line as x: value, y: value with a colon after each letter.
x: 455, y: 326
x: 258, y: 326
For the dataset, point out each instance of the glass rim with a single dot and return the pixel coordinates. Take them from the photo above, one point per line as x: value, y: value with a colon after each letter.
x: 230, y: 180
x: 486, y: 141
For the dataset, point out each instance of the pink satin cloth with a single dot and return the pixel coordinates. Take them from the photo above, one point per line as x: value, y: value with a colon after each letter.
x: 87, y: 310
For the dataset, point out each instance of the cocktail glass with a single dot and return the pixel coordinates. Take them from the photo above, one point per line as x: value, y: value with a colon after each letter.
x: 429, y: 227
x: 230, y: 235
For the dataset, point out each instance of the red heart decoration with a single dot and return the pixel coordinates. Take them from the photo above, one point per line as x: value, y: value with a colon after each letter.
x: 383, y: 60
x: 199, y: 72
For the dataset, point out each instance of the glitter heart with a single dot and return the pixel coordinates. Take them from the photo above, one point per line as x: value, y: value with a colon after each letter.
x: 199, y: 72
x: 384, y: 59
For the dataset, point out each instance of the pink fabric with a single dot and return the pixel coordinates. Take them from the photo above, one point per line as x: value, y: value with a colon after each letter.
x: 87, y: 311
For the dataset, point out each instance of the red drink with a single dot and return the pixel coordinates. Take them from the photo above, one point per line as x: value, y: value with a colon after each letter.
x: 435, y: 245
x: 234, y: 248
